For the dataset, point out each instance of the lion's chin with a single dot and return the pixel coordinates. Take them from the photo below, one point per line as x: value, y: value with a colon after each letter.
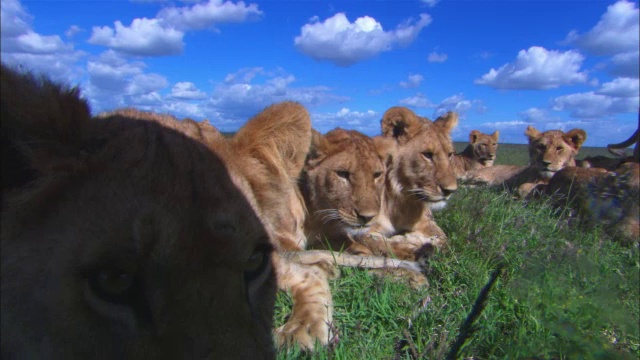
x: 437, y: 205
x: 547, y: 174
x: 357, y: 230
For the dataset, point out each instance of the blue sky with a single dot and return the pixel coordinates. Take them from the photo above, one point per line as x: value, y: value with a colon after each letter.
x: 501, y: 64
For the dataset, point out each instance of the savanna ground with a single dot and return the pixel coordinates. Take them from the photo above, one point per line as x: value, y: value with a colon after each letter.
x: 562, y: 291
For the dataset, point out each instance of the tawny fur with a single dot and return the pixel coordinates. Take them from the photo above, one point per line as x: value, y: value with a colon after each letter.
x: 480, y: 153
x: 549, y: 152
x: 419, y: 178
x: 342, y: 184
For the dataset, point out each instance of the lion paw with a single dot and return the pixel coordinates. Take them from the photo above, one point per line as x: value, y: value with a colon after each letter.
x: 306, y: 333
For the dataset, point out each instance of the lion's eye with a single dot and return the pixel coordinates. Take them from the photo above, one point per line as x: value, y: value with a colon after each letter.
x: 428, y: 155
x: 450, y: 155
x: 377, y: 174
x: 343, y: 174
x: 540, y: 147
x: 257, y: 262
x: 484, y: 145
x: 113, y: 286
x: 559, y: 149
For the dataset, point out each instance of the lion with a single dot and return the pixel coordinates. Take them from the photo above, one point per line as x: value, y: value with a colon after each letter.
x: 549, y: 152
x: 419, y: 180
x: 127, y: 237
x: 480, y: 153
x: 342, y: 185
x: 601, y: 197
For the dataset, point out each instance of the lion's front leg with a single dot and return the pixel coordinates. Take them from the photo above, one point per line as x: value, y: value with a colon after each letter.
x: 312, y: 313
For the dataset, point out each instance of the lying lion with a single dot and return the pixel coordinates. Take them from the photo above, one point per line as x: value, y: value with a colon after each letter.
x: 549, y: 152
x: 601, y: 197
x: 480, y: 153
x: 419, y: 179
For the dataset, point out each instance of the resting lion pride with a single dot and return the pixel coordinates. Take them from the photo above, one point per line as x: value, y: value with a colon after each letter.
x: 135, y: 235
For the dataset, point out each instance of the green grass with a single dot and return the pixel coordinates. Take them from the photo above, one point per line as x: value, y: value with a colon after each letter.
x: 563, y: 293
x: 517, y: 154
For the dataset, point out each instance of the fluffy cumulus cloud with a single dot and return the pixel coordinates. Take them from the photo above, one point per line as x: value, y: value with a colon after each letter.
x: 163, y: 35
x: 144, y: 37
x: 616, y: 32
x: 435, y: 57
x: 345, y: 43
x: 626, y: 64
x: 417, y: 101
x: 594, y: 106
x: 459, y: 104
x: 248, y: 91
x: 537, y: 115
x: 537, y: 68
x: 413, y: 81
x: 367, y: 122
x: 116, y: 82
x: 205, y: 15
x: 22, y: 46
x: 186, y: 90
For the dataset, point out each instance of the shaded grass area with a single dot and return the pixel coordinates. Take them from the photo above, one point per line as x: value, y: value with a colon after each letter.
x: 563, y: 293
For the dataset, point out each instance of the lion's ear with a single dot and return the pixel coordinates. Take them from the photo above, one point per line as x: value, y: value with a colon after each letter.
x: 280, y: 133
x: 473, y: 136
x: 318, y: 149
x: 386, y: 149
x: 400, y: 123
x: 532, y: 133
x: 447, y: 121
x: 575, y: 138
x: 496, y: 135
x: 42, y: 127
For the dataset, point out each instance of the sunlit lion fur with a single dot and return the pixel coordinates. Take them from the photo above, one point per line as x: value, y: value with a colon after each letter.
x: 342, y: 184
x: 549, y: 152
x: 480, y: 153
x: 126, y: 236
x: 419, y: 179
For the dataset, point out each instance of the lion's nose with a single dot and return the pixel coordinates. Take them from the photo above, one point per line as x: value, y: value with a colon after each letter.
x: 546, y: 163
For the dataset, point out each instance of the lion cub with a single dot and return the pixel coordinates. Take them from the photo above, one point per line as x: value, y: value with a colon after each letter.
x: 480, y: 153
x: 419, y: 179
x: 549, y: 152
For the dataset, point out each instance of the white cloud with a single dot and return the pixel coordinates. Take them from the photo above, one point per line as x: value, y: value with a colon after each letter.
x: 115, y: 82
x: 186, y: 90
x: 537, y: 68
x: 458, y: 104
x: 417, y: 101
x: 145, y: 37
x: 616, y: 32
x: 430, y: 3
x: 537, y: 115
x: 621, y: 87
x: 594, y: 106
x: 414, y: 80
x: 22, y: 47
x: 345, y: 43
x: 626, y: 64
x: 233, y: 102
x: 14, y: 19
x: 367, y: 122
x: 73, y: 30
x: 205, y: 15
x: 436, y: 57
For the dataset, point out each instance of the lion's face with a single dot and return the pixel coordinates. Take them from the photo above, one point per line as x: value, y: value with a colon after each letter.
x: 552, y: 150
x: 344, y: 179
x: 127, y: 237
x: 484, y: 146
x: 422, y: 162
